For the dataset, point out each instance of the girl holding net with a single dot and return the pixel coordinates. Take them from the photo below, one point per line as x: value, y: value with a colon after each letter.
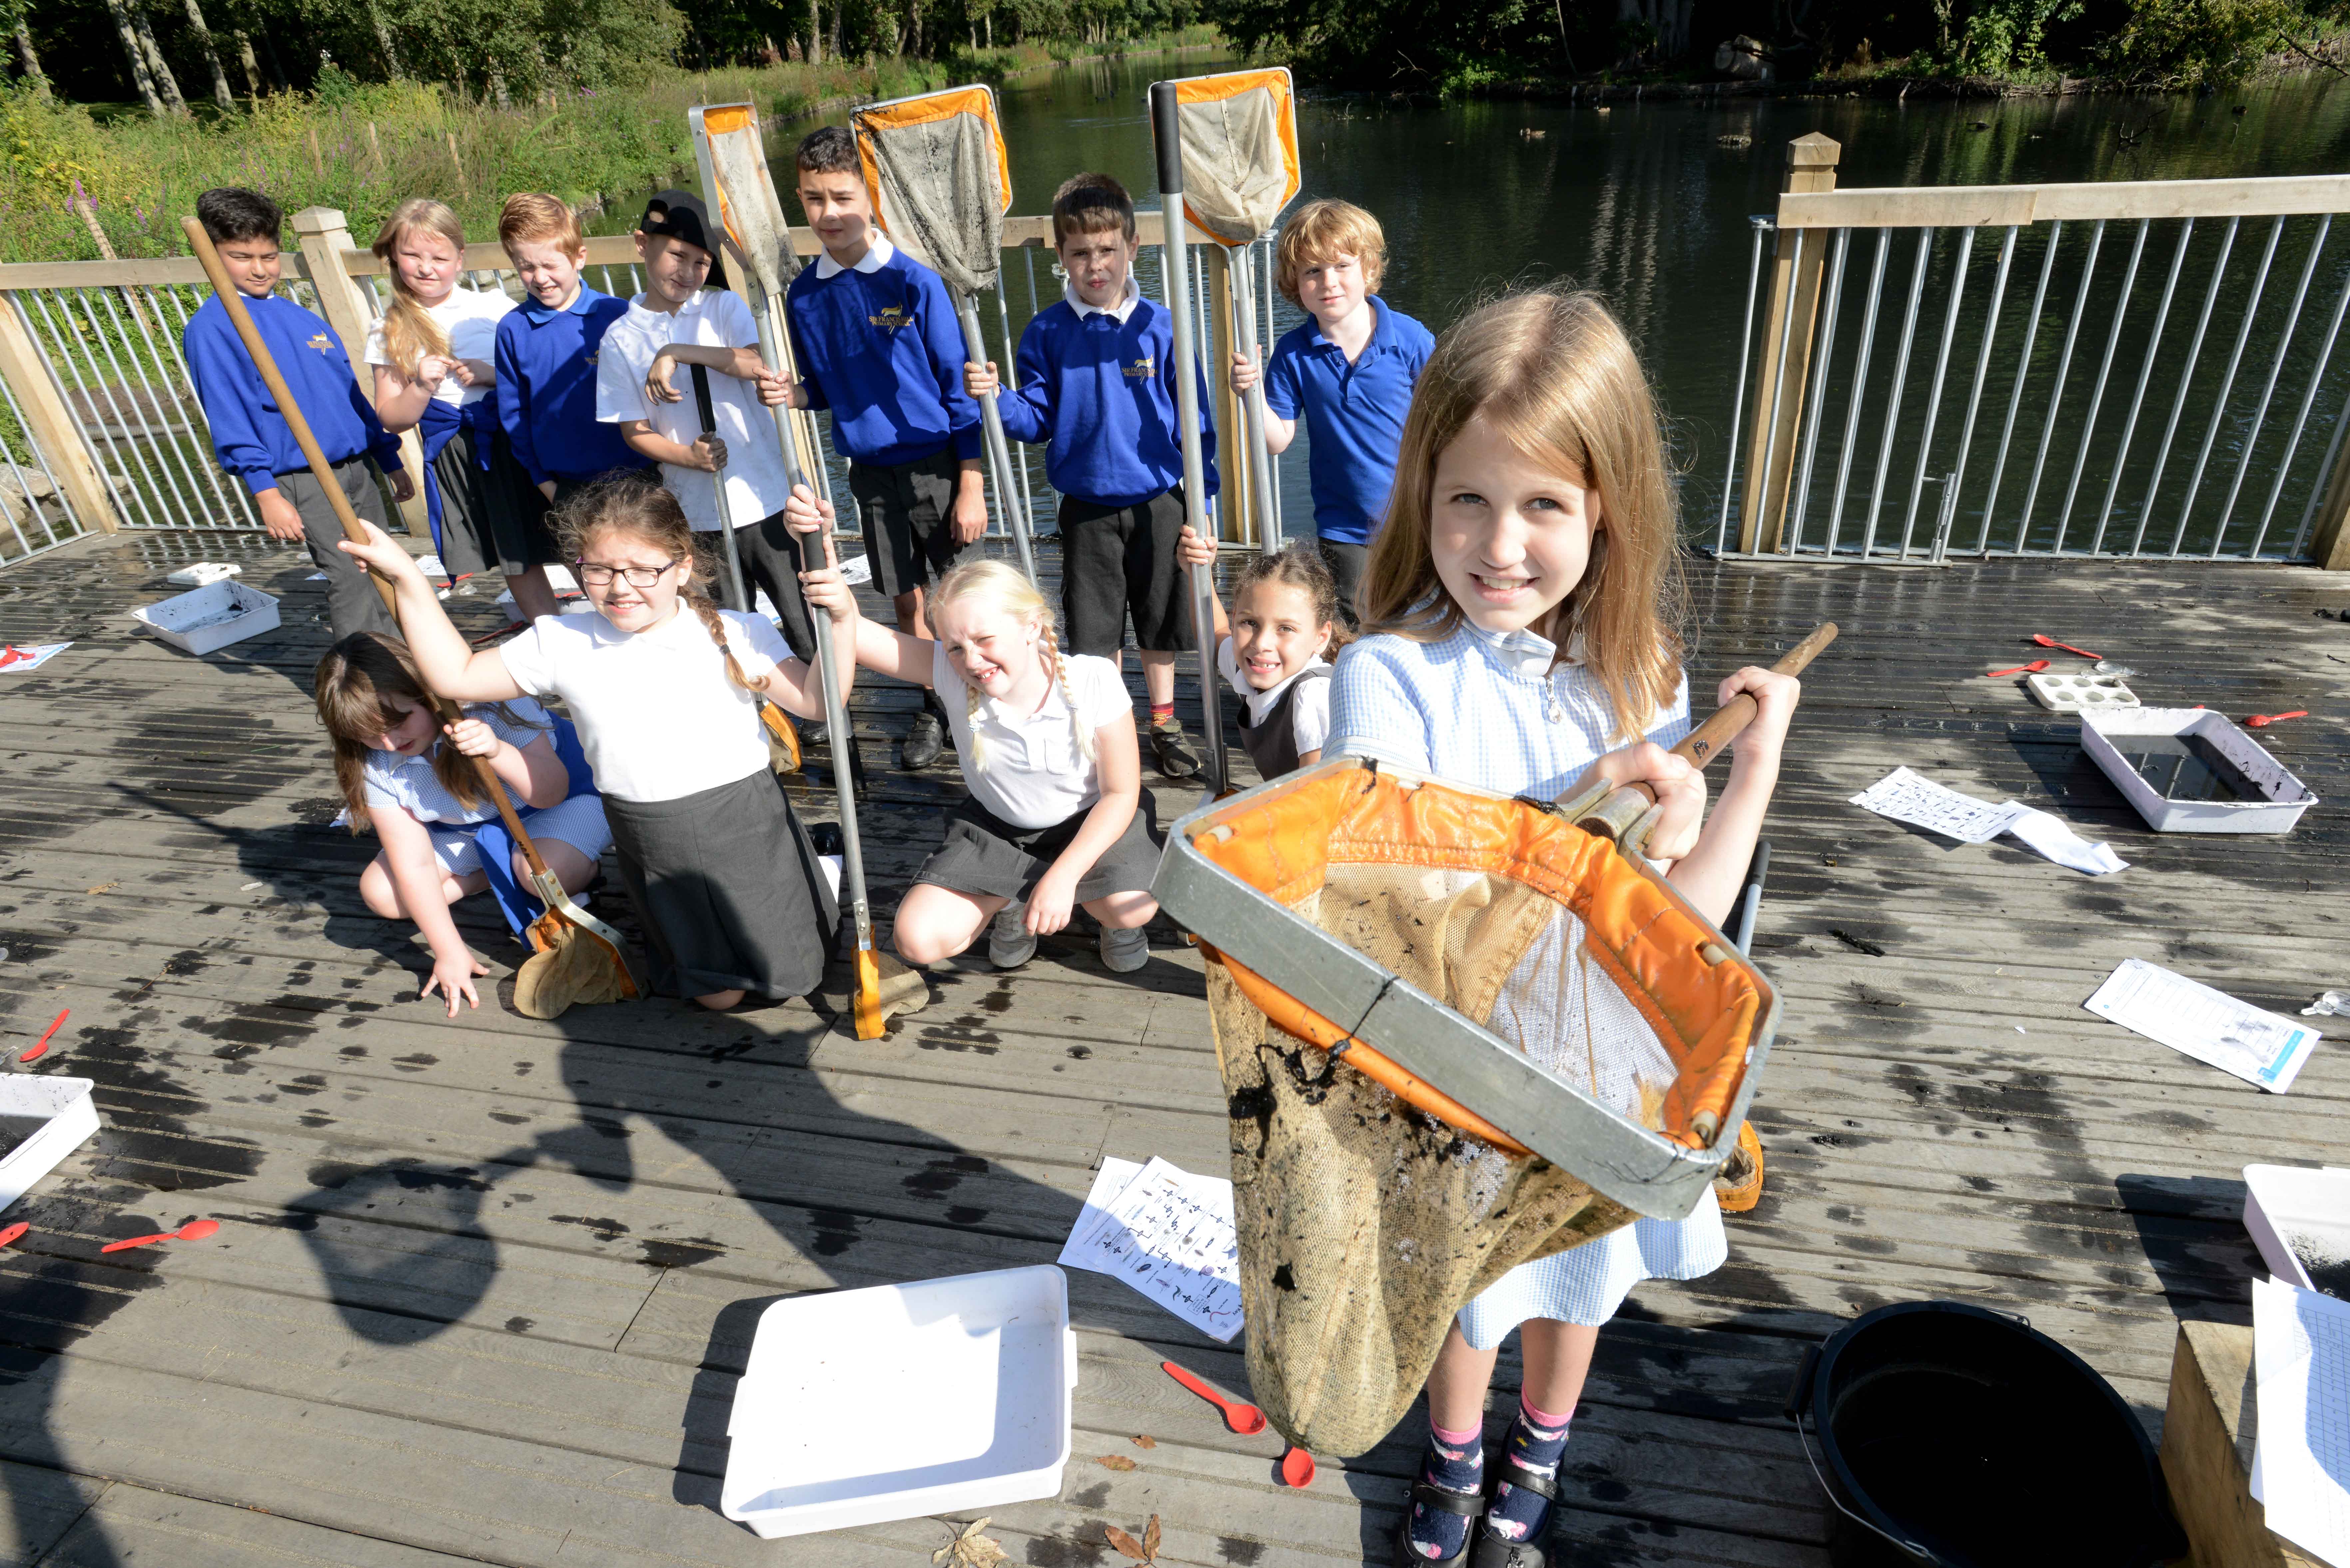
x: 1519, y: 610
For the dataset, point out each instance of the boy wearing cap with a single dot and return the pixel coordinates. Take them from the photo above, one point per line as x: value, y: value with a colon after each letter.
x: 644, y: 384
x: 876, y: 341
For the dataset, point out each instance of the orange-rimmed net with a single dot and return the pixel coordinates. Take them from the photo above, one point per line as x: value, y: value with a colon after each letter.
x: 1371, y: 1205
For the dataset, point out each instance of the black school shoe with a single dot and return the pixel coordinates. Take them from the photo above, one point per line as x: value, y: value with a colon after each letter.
x: 1176, y: 757
x: 1467, y: 1504
x: 924, y: 741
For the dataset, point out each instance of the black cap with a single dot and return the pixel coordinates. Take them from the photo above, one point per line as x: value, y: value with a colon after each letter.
x: 681, y: 215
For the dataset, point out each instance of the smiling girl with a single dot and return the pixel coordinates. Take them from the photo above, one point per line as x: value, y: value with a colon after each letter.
x: 413, y: 780
x: 1275, y: 650
x: 1520, y: 603
x: 665, y: 687
x: 433, y: 355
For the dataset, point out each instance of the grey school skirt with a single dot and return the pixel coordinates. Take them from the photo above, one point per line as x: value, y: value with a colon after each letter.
x: 987, y: 856
x: 728, y: 890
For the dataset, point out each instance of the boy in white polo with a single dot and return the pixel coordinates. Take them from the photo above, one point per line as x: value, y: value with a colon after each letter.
x: 643, y: 385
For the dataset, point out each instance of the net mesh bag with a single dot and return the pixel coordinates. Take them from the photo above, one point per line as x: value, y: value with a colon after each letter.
x: 937, y: 170
x: 1370, y: 1208
x: 744, y: 190
x: 1239, y: 131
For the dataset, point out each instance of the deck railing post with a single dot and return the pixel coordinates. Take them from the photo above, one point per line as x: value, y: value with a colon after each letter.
x: 2329, y: 546
x: 1796, y: 277
x: 325, y: 236
x: 52, y: 425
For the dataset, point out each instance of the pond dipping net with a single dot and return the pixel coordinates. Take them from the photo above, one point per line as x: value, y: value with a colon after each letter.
x: 1370, y: 1207
x: 1239, y: 131
x: 936, y: 167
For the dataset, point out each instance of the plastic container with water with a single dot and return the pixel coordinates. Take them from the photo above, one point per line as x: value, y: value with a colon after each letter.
x: 1955, y: 1436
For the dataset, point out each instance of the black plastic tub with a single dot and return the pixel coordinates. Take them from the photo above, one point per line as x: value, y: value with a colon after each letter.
x: 1957, y: 1437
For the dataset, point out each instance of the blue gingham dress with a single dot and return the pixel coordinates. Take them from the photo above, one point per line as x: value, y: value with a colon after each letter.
x: 1487, y: 709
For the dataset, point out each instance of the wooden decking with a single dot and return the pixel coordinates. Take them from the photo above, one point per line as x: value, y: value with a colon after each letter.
x: 483, y: 1287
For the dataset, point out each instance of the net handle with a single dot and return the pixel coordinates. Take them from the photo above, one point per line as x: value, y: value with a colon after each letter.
x: 1293, y: 1018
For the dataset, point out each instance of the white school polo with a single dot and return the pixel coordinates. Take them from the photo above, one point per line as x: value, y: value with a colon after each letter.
x: 409, y: 782
x: 469, y: 319
x: 1031, y: 772
x: 756, y: 485
x: 658, y: 717
x: 1309, y: 716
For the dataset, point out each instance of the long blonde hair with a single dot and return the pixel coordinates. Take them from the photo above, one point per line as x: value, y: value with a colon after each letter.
x: 410, y: 335
x: 1000, y: 586
x: 638, y: 506
x: 361, y: 686
x: 1554, y: 374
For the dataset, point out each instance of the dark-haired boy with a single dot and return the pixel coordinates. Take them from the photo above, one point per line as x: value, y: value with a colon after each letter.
x: 1097, y: 374
x: 875, y: 336
x: 249, y: 431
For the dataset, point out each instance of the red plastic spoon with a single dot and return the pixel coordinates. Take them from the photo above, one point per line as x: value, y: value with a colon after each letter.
x: 40, y: 1047
x: 2051, y: 642
x: 193, y: 1231
x: 1246, y: 1419
x: 2262, y: 721
x: 1297, y: 1468
x: 14, y: 1234
x: 2034, y: 668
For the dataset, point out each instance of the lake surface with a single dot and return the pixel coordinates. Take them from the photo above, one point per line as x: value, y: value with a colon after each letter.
x: 1644, y: 203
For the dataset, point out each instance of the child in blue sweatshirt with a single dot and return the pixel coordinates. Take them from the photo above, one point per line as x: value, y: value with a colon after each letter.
x: 546, y: 354
x: 1096, y: 376
x: 254, y: 442
x: 876, y: 341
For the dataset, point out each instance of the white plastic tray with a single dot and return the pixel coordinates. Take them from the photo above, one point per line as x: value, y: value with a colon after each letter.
x: 2289, y: 1203
x: 821, y: 1436
x: 211, y: 617
x: 2284, y: 797
x: 2065, y: 692
x: 72, y: 1118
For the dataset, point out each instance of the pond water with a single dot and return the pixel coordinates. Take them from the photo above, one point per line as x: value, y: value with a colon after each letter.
x: 1649, y: 202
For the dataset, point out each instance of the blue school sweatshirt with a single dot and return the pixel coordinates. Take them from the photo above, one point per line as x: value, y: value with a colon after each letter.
x: 879, y: 345
x: 252, y: 437
x: 1354, y: 414
x: 546, y: 388
x: 1102, y: 392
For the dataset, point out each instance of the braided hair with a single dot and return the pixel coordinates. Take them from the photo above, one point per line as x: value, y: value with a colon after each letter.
x: 639, y: 507
x: 1003, y: 585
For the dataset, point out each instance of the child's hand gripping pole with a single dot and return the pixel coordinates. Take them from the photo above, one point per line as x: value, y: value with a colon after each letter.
x: 1167, y: 131
x: 999, y: 451
x: 561, y: 913
x: 737, y: 599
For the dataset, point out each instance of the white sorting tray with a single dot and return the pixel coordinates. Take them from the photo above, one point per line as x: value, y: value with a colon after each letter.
x: 2293, y: 1210
x: 211, y: 617
x: 2284, y: 797
x: 2067, y: 692
x: 821, y: 1438
x: 70, y: 1117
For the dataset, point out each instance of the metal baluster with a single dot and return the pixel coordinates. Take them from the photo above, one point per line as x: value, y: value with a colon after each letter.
x: 91, y: 423
x: 2261, y: 414
x: 166, y: 451
x: 2187, y: 374
x: 1778, y: 393
x: 2144, y: 374
x: 1738, y: 396
x: 1820, y: 347
x: 1974, y: 396
x: 2015, y: 391
x: 2056, y: 393
x: 2308, y: 396
x: 1934, y: 397
x: 41, y: 461
x: 32, y: 505
x: 193, y: 408
x: 2097, y: 396
x: 1860, y: 385
x: 2341, y: 424
x: 2227, y: 385
x: 1893, y: 404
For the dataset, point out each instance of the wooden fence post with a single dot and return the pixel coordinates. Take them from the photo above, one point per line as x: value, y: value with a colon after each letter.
x: 2329, y: 546
x: 324, y: 235
x: 54, y: 428
x: 1237, y: 490
x: 1811, y: 167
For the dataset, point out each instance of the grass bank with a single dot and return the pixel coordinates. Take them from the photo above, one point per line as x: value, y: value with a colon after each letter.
x: 66, y: 178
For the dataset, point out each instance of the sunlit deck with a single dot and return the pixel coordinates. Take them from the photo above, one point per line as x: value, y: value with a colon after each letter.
x: 485, y: 1287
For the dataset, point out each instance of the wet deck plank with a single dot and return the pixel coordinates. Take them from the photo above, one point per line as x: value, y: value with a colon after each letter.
x: 485, y: 1287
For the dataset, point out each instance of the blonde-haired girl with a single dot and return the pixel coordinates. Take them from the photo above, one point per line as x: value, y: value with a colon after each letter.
x: 432, y: 352
x: 1520, y: 604
x: 1057, y: 815
x: 665, y: 688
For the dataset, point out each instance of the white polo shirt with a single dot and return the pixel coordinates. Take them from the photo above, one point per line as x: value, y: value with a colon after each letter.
x: 658, y: 717
x: 1032, y: 773
x: 1310, y: 718
x: 469, y: 319
x: 756, y: 485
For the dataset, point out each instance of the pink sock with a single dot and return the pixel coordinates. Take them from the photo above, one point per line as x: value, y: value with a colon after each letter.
x: 1543, y: 1418
x: 1460, y: 1440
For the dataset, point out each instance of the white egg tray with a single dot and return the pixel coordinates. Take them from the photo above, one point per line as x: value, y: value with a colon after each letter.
x: 2065, y: 692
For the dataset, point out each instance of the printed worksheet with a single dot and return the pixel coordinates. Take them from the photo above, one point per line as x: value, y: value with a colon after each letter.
x: 2261, y: 1048
x: 2301, y: 1352
x: 1905, y: 797
x: 17, y: 661
x: 1168, y: 1234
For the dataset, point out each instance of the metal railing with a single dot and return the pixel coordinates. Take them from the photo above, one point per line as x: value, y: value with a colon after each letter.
x: 2124, y: 370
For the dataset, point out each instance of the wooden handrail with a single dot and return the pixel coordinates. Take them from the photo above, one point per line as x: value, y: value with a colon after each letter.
x: 1988, y: 206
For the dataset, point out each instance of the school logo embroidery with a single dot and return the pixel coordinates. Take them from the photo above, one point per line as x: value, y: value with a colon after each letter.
x: 322, y: 343
x: 1142, y: 369
x: 891, y: 318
